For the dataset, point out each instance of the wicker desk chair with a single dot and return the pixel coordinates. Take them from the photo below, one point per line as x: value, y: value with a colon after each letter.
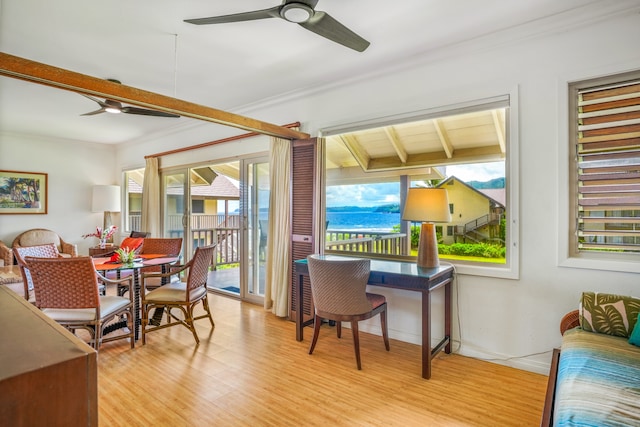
x: 339, y: 293
x: 66, y: 290
x: 41, y: 251
x: 182, y: 295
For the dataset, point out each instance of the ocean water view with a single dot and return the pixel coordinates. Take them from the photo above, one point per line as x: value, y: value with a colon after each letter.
x: 365, y: 221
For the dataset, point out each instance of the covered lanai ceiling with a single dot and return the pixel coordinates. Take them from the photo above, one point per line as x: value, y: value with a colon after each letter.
x: 463, y: 138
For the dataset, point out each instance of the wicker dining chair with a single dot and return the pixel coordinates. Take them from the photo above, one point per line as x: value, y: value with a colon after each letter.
x: 169, y: 246
x: 338, y: 288
x: 41, y: 251
x: 182, y: 295
x: 66, y: 290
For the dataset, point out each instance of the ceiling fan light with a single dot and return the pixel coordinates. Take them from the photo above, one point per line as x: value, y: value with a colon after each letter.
x: 296, y: 12
x: 113, y: 107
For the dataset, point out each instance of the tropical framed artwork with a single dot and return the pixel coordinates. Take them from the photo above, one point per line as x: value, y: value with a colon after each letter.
x: 23, y: 192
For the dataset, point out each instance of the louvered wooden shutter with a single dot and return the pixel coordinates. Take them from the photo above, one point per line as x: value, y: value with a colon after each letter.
x: 608, y: 160
x: 303, y: 203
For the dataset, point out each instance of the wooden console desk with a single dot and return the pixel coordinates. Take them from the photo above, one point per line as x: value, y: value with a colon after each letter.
x: 400, y: 275
x: 48, y: 377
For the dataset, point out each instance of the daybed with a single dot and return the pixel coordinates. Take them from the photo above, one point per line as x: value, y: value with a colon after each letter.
x: 595, y: 375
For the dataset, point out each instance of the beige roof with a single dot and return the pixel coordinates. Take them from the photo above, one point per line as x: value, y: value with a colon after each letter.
x: 222, y: 188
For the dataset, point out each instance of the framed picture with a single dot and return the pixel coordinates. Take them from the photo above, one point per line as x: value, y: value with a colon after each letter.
x: 23, y: 192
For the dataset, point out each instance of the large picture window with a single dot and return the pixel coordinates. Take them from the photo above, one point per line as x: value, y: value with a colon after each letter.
x: 466, y: 149
x: 605, y: 139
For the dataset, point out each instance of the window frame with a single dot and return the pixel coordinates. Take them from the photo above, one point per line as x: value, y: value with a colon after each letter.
x: 568, y: 253
x: 511, y: 269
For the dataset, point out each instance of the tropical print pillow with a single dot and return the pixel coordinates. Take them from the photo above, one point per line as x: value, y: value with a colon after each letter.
x: 608, y: 313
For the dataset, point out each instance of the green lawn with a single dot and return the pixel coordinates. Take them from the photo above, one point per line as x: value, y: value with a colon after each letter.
x: 414, y: 252
x: 474, y: 259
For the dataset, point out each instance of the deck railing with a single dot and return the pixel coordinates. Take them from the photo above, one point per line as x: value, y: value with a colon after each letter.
x: 207, y: 229
x: 374, y: 242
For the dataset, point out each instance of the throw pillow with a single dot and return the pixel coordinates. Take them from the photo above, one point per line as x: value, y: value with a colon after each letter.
x: 131, y: 243
x: 608, y: 313
x: 635, y: 335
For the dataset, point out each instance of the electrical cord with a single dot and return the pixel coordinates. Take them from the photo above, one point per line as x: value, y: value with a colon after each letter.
x: 459, y: 326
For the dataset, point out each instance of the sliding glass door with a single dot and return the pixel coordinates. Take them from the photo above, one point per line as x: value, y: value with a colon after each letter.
x: 255, y: 193
x: 175, y: 191
x: 227, y: 204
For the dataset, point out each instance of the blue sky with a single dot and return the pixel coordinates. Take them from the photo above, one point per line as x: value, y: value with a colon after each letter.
x: 381, y: 194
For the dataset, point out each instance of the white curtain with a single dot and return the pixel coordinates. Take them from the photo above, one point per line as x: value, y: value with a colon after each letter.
x: 150, y: 221
x: 276, y: 295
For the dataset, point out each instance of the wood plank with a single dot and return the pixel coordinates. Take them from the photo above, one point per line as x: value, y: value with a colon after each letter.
x: 547, y: 416
x: 251, y: 371
x: 36, y: 72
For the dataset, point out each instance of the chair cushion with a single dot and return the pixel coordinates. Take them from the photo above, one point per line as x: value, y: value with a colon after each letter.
x: 376, y: 300
x: 109, y: 305
x: 608, y: 313
x: 39, y: 237
x: 131, y: 243
x: 174, y: 292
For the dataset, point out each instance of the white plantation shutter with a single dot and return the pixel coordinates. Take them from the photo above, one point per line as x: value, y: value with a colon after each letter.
x: 608, y: 166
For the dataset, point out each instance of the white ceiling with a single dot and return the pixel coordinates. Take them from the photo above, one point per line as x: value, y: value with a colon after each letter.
x: 146, y: 44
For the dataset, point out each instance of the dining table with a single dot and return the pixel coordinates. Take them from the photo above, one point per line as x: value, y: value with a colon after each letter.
x: 105, y: 264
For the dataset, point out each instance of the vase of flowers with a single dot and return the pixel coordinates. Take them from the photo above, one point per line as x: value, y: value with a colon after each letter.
x: 102, y: 235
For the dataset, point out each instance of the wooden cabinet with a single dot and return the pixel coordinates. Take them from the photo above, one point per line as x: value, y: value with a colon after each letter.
x: 48, y: 377
x: 96, y: 251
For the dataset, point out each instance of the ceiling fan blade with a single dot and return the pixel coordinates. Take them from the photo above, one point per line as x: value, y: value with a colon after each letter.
x: 145, y: 112
x: 324, y: 25
x: 237, y: 17
x: 94, y: 112
x: 96, y: 100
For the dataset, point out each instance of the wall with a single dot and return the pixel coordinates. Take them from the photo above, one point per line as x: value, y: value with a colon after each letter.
x: 73, y: 168
x: 495, y: 318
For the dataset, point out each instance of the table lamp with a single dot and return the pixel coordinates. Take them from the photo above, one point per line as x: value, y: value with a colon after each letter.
x: 429, y: 205
x: 106, y: 198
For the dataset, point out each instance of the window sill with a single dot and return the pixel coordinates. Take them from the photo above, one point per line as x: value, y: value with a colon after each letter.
x: 595, y: 262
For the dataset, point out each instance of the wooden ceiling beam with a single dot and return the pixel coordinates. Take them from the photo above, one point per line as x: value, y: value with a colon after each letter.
x: 361, y: 155
x: 444, y: 138
x: 462, y: 156
x: 397, y: 144
x: 25, y: 69
x: 500, y: 131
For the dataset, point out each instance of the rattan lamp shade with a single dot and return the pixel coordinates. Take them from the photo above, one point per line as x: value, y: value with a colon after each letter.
x: 428, y: 205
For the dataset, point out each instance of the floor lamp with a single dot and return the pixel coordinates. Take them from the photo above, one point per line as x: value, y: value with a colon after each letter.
x: 428, y: 205
x: 106, y: 198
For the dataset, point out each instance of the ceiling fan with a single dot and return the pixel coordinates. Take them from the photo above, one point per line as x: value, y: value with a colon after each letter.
x: 115, y: 107
x: 301, y: 12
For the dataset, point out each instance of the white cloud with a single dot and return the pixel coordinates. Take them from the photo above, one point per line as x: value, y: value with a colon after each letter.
x: 477, y: 172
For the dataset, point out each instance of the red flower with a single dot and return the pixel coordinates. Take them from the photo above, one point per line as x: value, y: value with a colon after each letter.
x: 102, y: 234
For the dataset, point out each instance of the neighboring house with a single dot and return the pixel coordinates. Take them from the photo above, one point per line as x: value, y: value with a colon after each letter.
x: 208, y: 197
x: 475, y: 214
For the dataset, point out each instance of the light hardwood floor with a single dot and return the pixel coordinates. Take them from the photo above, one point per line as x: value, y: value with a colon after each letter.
x: 250, y: 371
